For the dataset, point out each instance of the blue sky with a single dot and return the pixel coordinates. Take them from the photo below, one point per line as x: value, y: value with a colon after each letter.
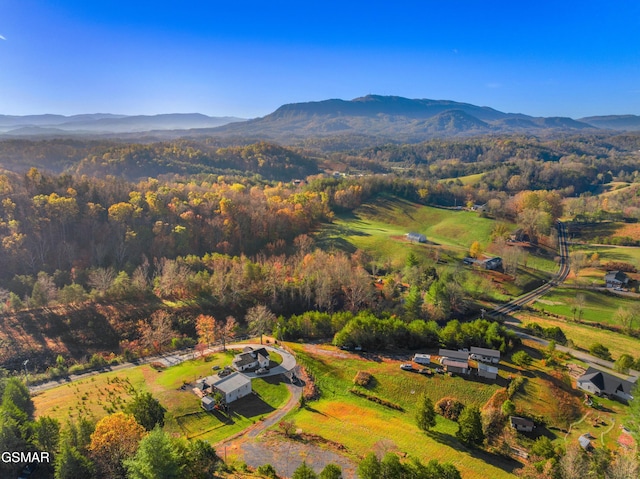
x: 246, y: 58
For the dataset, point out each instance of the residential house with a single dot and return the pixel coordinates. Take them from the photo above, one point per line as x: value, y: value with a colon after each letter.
x: 251, y: 359
x: 454, y: 366
x: 416, y: 237
x: 616, y: 279
x: 521, y: 424
x: 489, y: 263
x: 422, y: 358
x: 485, y: 355
x: 486, y: 371
x: 451, y: 354
x: 601, y: 383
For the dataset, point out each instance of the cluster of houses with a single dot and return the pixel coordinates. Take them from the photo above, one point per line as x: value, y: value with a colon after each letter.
x: 230, y: 385
x: 457, y: 362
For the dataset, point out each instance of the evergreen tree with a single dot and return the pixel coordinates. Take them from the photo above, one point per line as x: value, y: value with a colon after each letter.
x: 147, y: 410
x: 157, y: 457
x: 426, y: 414
x: 70, y: 464
x: 331, y: 471
x: 369, y: 467
x: 304, y: 472
x: 470, y: 426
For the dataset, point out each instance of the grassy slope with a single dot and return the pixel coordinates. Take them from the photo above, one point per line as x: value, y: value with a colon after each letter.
x: 599, y: 307
x: 360, y: 424
x: 100, y: 395
x: 379, y: 228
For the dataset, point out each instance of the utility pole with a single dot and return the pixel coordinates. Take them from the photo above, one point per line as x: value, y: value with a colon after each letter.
x: 26, y: 375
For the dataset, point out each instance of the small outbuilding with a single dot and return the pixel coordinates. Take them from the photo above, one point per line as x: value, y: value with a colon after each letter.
x: 422, y: 359
x: 416, y: 237
x: 521, y: 424
x: 208, y: 403
x: 486, y: 371
x: 458, y: 367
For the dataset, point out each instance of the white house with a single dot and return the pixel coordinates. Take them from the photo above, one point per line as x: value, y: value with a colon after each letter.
x: 604, y: 384
x: 251, y: 359
x: 485, y: 355
x: 232, y: 387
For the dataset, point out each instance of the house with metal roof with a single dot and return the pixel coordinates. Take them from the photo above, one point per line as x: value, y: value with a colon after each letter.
x: 485, y: 355
x: 416, y: 237
x: 232, y: 387
x: 521, y: 424
x: 451, y: 354
x: 453, y: 366
x: 486, y: 371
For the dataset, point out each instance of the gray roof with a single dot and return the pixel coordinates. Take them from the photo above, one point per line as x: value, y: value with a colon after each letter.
x: 231, y: 383
x: 207, y: 400
x: 605, y: 382
x: 450, y: 353
x: 244, y: 359
x: 521, y: 421
x: 455, y: 364
x: 616, y: 276
x: 487, y: 368
x: 494, y: 353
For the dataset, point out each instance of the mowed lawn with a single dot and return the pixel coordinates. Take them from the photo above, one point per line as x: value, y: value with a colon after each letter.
x: 598, y: 307
x: 106, y: 393
x: 362, y: 425
x: 379, y: 228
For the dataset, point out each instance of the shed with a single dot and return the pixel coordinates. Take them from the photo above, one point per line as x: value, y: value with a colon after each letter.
x: 416, y: 237
x: 521, y: 424
x: 485, y: 355
x: 422, y: 358
x: 486, y: 371
x: 208, y: 403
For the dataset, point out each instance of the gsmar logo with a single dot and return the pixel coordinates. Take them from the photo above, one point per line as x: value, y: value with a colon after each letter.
x: 22, y: 457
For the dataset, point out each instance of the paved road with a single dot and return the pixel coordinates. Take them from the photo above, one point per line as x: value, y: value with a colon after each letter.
x: 288, y: 363
x: 517, y: 303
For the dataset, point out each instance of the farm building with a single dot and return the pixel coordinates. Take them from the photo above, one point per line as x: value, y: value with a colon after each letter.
x: 490, y: 263
x: 416, y: 237
x: 485, y: 355
x: 451, y: 354
x: 422, y: 358
x: 232, y: 387
x: 616, y: 279
x: 486, y: 371
x: 453, y: 366
x: 208, y: 403
x: 604, y: 384
x: 521, y: 424
x: 250, y: 359
x: 585, y: 441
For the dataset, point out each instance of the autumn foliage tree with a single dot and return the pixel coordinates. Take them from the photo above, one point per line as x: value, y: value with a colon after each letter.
x: 114, y: 440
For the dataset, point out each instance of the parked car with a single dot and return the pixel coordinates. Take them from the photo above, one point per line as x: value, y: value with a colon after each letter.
x: 215, y: 368
x: 225, y: 372
x: 440, y: 370
x: 406, y: 367
x: 262, y: 371
x: 426, y: 371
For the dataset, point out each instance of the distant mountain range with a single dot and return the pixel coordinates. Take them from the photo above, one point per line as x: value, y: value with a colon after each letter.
x: 105, y: 123
x: 389, y: 117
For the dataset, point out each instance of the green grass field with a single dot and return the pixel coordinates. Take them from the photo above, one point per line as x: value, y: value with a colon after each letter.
x: 103, y: 394
x: 598, y: 307
x: 627, y: 254
x: 379, y: 228
x: 361, y: 425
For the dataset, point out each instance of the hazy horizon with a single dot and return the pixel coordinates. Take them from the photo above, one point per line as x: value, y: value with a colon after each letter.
x: 573, y: 59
